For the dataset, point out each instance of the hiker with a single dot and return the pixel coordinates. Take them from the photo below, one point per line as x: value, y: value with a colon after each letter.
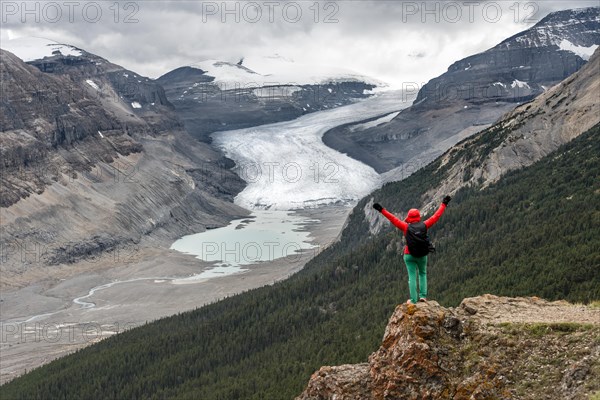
x: 417, y: 246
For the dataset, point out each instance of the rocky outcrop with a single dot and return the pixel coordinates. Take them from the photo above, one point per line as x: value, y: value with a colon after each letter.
x: 474, y: 93
x: 346, y: 382
x: 487, y: 348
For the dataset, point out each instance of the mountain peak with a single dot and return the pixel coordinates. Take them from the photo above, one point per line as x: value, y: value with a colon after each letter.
x: 488, y: 347
x: 579, y: 26
x: 587, y: 12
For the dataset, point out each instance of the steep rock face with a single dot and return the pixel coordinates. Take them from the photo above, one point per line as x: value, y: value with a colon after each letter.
x: 488, y: 347
x: 44, y: 105
x: 42, y: 114
x: 522, y: 66
x: 114, y: 85
x: 84, y: 172
x: 474, y: 93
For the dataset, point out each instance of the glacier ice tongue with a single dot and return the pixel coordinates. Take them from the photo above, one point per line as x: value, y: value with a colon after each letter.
x: 287, y: 166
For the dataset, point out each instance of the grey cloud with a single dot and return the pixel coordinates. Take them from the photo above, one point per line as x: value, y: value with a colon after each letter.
x: 373, y: 37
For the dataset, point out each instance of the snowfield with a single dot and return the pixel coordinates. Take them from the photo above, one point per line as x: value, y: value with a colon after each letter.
x: 581, y: 51
x: 255, y: 72
x: 287, y: 166
x: 35, y: 48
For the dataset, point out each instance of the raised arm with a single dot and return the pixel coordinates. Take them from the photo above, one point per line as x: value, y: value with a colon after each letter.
x: 435, y: 217
x: 398, y: 223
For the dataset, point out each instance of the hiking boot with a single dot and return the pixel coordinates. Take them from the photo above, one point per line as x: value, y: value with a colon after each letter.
x: 409, y: 302
x: 422, y: 300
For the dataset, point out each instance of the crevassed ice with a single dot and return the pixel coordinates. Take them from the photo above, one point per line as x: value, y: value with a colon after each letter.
x: 287, y: 166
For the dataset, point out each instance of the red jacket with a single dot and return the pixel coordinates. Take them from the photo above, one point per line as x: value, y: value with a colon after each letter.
x: 413, y: 216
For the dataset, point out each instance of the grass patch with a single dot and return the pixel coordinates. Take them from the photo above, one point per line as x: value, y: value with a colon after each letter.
x: 542, y: 329
x: 538, y: 329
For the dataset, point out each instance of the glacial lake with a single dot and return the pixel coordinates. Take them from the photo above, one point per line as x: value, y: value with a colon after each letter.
x: 266, y: 235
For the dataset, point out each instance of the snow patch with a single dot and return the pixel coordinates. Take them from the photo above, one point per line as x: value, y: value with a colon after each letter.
x: 581, y: 51
x: 35, y: 48
x: 499, y: 84
x: 135, y: 104
x: 520, y: 84
x: 92, y: 84
x: 101, y: 135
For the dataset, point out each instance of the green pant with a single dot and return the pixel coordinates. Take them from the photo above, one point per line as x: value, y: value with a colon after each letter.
x: 414, y: 265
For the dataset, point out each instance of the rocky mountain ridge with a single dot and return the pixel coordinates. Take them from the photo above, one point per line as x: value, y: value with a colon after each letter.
x: 522, y: 137
x: 104, y: 81
x: 474, y: 93
x: 92, y: 161
x: 488, y: 347
x: 528, y: 133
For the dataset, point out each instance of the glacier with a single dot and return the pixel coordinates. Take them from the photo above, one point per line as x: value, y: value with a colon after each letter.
x: 258, y: 72
x: 287, y: 166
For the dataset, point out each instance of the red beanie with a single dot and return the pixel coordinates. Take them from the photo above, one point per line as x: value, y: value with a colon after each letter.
x: 413, y: 216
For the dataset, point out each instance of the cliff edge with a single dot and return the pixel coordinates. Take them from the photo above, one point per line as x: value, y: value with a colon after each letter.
x: 487, y: 348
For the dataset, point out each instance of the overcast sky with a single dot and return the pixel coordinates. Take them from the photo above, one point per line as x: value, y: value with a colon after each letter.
x: 395, y: 41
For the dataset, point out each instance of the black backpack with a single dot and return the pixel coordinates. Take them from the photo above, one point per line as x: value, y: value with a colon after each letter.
x: 418, y: 241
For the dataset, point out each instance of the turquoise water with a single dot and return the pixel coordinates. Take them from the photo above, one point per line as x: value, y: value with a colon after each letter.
x: 264, y: 236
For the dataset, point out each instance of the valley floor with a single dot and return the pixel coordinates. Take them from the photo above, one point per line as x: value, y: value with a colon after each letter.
x: 47, y: 319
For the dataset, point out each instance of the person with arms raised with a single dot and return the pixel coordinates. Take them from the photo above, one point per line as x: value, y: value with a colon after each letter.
x: 418, y: 245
